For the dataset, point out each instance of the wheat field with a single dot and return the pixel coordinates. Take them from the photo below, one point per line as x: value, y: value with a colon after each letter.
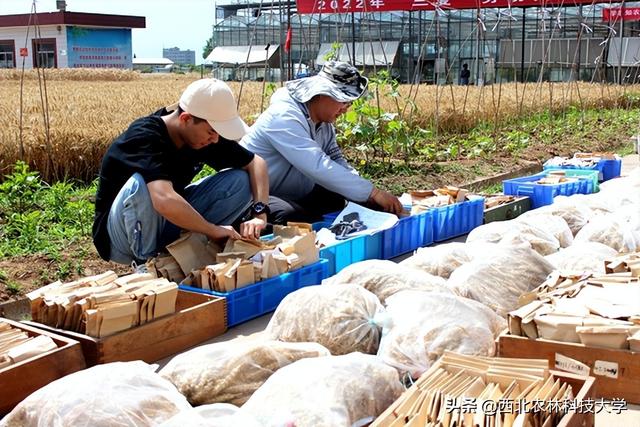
x: 87, y: 109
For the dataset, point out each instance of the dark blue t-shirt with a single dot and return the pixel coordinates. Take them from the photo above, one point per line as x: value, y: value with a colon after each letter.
x: 146, y: 148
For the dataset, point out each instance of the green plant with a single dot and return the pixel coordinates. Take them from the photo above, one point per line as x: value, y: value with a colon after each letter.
x: 13, y: 288
x: 37, y: 217
x: 378, y: 134
x: 334, y: 52
x: 20, y: 189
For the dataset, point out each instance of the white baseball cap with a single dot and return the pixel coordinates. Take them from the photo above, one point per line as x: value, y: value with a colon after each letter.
x: 213, y: 101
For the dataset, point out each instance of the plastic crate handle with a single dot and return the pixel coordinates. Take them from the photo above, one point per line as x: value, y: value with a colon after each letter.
x: 523, y: 191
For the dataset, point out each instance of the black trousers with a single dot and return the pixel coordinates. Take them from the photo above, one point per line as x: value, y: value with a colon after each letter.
x: 309, y: 208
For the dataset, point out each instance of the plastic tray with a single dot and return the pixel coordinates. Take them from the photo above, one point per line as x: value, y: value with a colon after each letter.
x: 607, y: 168
x: 255, y: 300
x: 347, y: 252
x: 458, y: 219
x: 409, y: 234
x: 543, y: 194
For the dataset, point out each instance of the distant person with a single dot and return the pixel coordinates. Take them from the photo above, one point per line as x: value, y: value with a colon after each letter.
x: 465, y: 74
x: 308, y: 174
x: 145, y: 196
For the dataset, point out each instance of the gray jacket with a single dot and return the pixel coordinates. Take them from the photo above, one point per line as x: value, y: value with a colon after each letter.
x: 300, y: 154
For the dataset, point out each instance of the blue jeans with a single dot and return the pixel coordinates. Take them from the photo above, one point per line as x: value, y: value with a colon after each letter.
x: 137, y: 231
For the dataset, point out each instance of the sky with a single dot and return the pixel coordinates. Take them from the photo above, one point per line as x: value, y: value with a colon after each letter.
x: 186, y: 24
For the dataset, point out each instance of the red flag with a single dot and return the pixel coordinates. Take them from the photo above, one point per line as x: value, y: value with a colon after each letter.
x: 287, y: 42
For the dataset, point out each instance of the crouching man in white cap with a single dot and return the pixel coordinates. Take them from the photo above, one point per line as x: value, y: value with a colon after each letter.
x: 145, y: 196
x: 296, y: 136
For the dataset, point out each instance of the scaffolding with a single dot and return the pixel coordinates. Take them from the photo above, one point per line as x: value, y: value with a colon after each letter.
x: 566, y: 43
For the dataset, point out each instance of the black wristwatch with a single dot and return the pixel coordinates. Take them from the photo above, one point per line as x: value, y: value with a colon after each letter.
x: 259, y: 208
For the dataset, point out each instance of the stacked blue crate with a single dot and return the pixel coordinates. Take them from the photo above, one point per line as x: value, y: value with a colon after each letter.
x: 263, y: 297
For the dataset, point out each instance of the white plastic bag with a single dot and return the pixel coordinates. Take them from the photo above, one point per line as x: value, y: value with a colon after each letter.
x: 440, y: 260
x: 501, y: 276
x: 572, y: 209
x: 423, y: 325
x: 110, y: 395
x: 582, y: 257
x: 612, y: 231
x: 340, y: 317
x: 216, y: 415
x: 556, y: 225
x: 230, y: 371
x: 384, y: 278
x: 516, y: 232
x: 332, y: 391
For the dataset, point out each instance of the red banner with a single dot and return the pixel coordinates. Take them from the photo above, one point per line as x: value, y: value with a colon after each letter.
x: 24, y: 51
x: 345, y: 6
x: 627, y: 14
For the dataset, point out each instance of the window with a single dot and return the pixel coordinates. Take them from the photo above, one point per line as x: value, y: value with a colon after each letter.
x: 7, y: 54
x: 44, y: 53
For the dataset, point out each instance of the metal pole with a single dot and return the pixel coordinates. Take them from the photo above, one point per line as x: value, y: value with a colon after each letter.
x: 353, y: 38
x: 524, y: 19
x: 477, y: 76
x: 579, y: 47
x: 281, y: 48
x: 621, y: 41
x: 289, y: 56
x: 411, y: 52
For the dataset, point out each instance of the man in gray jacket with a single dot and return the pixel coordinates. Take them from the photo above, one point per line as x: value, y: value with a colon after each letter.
x: 308, y: 175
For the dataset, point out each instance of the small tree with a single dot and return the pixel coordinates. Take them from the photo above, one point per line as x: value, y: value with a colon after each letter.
x: 208, y: 47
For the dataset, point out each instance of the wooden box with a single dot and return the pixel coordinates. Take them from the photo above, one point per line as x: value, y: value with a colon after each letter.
x: 583, y: 389
x: 616, y: 372
x: 198, y: 317
x: 19, y: 380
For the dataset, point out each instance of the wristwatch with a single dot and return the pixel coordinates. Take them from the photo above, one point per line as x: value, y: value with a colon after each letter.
x: 259, y: 208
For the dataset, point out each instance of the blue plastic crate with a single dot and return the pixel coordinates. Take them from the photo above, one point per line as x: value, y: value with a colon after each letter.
x: 610, y: 168
x: 330, y: 217
x: 409, y: 233
x: 255, y: 300
x: 607, y: 168
x: 457, y: 219
x: 347, y: 252
x: 543, y: 194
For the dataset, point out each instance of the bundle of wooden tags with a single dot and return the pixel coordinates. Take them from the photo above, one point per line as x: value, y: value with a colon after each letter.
x: 241, y: 262
x: 104, y: 304
x: 16, y: 345
x: 599, y: 311
x: 461, y: 390
x: 555, y: 177
x: 423, y: 200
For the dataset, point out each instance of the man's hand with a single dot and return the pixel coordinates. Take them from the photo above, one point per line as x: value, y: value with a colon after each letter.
x: 222, y: 232
x: 251, y: 229
x: 387, y: 201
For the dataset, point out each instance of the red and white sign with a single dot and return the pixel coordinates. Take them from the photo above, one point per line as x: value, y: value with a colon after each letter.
x: 627, y: 14
x: 24, y: 51
x: 345, y: 6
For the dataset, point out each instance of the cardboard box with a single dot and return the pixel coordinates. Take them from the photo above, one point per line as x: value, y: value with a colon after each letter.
x: 616, y: 372
x: 198, y: 317
x: 19, y: 380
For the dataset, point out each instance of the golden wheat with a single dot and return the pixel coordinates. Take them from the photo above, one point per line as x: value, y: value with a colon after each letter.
x: 87, y: 109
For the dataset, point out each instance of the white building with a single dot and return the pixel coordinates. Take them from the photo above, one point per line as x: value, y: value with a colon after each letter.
x: 67, y: 40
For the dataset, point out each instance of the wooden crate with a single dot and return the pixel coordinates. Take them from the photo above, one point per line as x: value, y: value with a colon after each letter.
x: 616, y: 372
x: 583, y: 388
x: 19, y: 380
x: 198, y: 317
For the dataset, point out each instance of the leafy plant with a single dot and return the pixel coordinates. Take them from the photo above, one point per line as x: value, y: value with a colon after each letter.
x: 13, y: 288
